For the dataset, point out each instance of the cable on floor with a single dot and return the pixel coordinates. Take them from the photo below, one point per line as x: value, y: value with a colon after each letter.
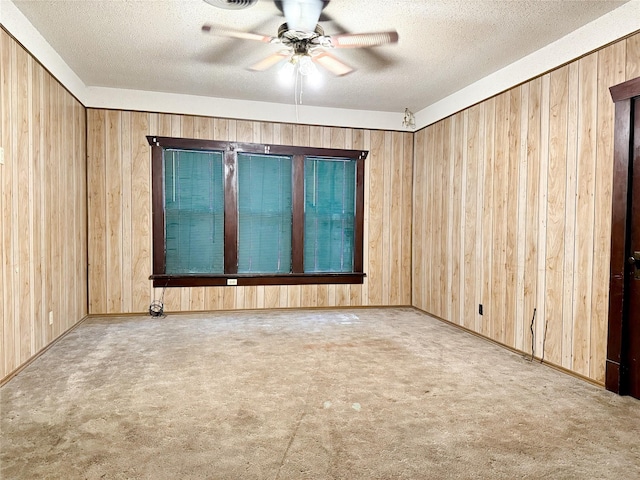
x: 156, y: 309
x: 533, y: 320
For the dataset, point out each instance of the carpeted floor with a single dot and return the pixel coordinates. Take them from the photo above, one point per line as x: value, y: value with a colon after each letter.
x: 349, y: 394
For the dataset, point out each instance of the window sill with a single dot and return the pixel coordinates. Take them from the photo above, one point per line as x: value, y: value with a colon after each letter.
x: 240, y: 280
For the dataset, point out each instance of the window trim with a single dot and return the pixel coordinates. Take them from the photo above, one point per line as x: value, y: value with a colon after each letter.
x: 159, y: 276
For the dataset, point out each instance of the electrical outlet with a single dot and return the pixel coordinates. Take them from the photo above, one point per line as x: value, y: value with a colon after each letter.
x: 232, y: 281
x: 480, y: 309
x: 51, y: 317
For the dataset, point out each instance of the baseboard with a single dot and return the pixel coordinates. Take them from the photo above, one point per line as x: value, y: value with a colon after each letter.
x: 38, y: 354
x: 238, y: 310
x: 525, y: 355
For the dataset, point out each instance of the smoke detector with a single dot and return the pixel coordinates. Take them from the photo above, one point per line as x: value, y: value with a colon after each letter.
x: 231, y: 4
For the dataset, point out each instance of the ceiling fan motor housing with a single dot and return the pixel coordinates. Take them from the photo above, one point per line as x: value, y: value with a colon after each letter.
x: 285, y: 34
x: 278, y: 4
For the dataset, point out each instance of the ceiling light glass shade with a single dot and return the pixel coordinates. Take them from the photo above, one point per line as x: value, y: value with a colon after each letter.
x: 287, y: 73
x: 288, y: 69
x: 306, y: 66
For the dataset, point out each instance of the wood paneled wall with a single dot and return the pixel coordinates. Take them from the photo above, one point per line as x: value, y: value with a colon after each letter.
x: 512, y: 210
x: 43, y: 241
x: 120, y: 214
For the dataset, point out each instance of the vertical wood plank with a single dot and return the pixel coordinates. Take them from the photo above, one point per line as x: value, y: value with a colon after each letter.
x: 542, y: 323
x: 446, y: 214
x: 455, y: 253
x: 97, y: 206
x: 479, y: 281
x: 570, y: 217
x: 141, y: 211
x: 406, y: 228
x: 583, y: 263
x: 499, y: 226
x: 376, y: 205
x: 417, y: 249
x: 12, y: 328
x: 512, y: 259
x: 37, y: 209
x: 487, y: 217
x: 472, y: 153
x: 4, y: 122
x: 521, y: 229
x: 386, y: 255
x: 438, y: 225
x: 531, y: 213
x: 48, y: 200
x: 21, y: 195
x: 556, y: 195
x: 632, y: 64
x: 55, y: 206
x: 113, y: 174
x: 66, y: 204
x: 428, y: 207
x: 126, y: 195
x: 366, y: 142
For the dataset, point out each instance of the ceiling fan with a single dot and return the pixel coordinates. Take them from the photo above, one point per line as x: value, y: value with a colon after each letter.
x: 304, y: 40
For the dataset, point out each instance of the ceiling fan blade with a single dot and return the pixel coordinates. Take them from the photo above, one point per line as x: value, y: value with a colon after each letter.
x: 221, y: 31
x: 270, y: 61
x: 331, y: 63
x: 359, y: 40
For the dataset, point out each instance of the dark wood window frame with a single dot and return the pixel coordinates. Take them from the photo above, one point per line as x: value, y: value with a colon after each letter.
x: 231, y: 276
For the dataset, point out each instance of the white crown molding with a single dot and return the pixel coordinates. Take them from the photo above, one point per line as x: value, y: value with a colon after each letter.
x: 616, y: 24
x: 139, y: 100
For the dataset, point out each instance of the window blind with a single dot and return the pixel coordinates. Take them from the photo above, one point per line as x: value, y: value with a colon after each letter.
x: 330, y: 187
x: 194, y: 211
x: 264, y: 213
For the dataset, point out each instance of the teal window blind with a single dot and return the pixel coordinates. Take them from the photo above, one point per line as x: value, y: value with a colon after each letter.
x: 194, y: 211
x: 329, y: 216
x: 264, y: 213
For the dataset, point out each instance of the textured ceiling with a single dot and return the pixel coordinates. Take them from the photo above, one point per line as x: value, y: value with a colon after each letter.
x: 444, y: 45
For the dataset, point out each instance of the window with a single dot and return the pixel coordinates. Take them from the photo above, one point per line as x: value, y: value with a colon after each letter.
x: 228, y: 213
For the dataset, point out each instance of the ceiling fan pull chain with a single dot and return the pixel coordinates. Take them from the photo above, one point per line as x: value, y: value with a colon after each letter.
x: 295, y: 95
x: 301, y: 86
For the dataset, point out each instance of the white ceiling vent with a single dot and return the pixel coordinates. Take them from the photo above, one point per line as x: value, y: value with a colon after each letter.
x: 231, y: 4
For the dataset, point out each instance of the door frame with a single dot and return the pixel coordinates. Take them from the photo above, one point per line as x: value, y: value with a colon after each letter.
x: 622, y: 95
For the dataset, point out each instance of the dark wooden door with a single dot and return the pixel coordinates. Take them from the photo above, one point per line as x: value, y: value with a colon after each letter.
x: 623, y: 344
x: 632, y: 296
